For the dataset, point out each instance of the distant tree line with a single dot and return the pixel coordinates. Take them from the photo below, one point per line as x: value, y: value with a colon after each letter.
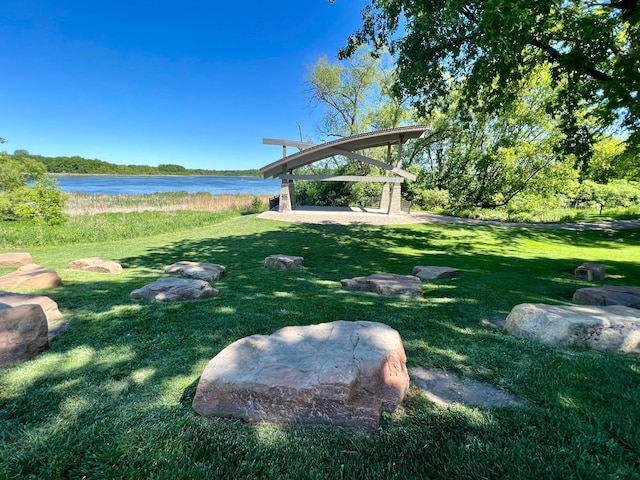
x: 85, y: 166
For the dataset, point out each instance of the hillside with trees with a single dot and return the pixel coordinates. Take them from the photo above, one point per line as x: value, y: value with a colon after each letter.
x: 76, y: 165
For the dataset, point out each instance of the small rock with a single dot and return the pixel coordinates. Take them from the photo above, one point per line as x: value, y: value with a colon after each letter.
x: 30, y: 277
x: 338, y: 373
x: 608, y: 295
x: 23, y: 333
x: 434, y: 273
x: 284, y: 262
x: 610, y: 329
x: 209, y: 272
x: 175, y: 290
x: 95, y: 265
x: 15, y: 259
x: 388, y: 284
x: 591, y: 271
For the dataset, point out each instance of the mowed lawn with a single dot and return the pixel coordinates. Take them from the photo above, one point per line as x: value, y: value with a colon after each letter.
x: 111, y: 398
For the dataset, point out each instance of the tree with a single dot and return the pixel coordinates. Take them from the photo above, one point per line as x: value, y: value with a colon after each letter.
x: 491, y: 158
x: 27, y: 193
x: 490, y: 46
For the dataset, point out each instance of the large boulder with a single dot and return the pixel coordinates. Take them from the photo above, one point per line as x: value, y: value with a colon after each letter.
x: 610, y: 329
x: 15, y: 259
x: 175, y: 289
x: 209, y: 272
x: 339, y: 373
x: 609, y: 295
x: 284, y: 262
x: 49, y: 307
x: 434, y: 273
x: 95, y: 265
x: 30, y: 276
x: 23, y: 333
x: 389, y: 284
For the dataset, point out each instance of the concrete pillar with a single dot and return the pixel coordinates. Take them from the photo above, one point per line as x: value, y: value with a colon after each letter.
x: 395, y: 202
x: 292, y: 193
x: 385, y: 197
x: 285, y: 199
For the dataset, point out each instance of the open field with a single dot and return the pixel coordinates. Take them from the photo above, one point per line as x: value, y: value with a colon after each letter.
x: 111, y: 398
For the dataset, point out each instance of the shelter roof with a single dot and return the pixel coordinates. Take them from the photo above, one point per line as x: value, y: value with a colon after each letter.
x: 348, y: 144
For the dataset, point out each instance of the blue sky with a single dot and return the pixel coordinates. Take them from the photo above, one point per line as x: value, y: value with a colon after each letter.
x: 196, y: 83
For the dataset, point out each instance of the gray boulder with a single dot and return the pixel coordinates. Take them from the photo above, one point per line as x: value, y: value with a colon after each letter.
x: 209, y: 272
x: 284, y: 262
x: 608, y: 295
x: 338, y: 373
x: 610, y: 329
x: 434, y: 273
x: 388, y: 284
x: 95, y: 265
x: 175, y: 290
x: 591, y: 271
x: 23, y: 333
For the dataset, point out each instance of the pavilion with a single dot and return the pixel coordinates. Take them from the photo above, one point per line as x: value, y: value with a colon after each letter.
x: 390, y: 200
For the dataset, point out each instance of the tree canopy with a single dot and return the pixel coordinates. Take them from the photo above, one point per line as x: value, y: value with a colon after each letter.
x: 490, y: 46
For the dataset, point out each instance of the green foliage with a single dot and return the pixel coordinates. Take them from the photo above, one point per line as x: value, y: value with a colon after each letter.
x: 27, y: 194
x: 488, y: 159
x: 256, y: 205
x: 492, y: 46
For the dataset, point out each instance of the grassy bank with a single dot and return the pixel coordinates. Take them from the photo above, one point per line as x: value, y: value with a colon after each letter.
x: 111, y: 398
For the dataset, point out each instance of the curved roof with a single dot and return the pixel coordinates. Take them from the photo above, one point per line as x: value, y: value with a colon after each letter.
x: 348, y: 144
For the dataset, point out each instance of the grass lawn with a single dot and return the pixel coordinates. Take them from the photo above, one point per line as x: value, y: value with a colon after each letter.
x: 111, y: 398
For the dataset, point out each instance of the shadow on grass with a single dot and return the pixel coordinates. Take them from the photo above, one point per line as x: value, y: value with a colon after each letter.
x: 113, y: 396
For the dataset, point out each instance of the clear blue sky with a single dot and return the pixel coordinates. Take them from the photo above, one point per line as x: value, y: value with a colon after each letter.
x: 196, y: 83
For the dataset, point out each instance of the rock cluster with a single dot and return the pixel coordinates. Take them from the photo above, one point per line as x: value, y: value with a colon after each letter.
x: 339, y: 373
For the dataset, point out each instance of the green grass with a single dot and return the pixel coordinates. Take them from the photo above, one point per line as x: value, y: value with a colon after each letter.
x: 111, y: 398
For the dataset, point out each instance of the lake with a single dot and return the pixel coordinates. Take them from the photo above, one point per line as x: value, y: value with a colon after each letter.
x: 130, y: 185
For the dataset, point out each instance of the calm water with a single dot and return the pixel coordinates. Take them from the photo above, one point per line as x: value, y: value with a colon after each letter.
x: 152, y: 184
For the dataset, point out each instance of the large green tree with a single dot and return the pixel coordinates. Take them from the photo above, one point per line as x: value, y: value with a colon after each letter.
x: 490, y: 46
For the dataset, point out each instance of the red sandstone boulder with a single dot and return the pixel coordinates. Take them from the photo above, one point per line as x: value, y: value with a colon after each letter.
x: 15, y: 259
x: 50, y: 308
x: 339, y: 373
x: 389, y: 284
x: 95, y: 265
x: 23, y: 333
x: 30, y: 277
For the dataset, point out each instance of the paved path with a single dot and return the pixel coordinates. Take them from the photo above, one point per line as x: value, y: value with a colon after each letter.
x: 359, y: 217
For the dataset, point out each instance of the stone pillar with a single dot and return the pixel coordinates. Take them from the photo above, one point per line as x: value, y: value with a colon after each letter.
x: 285, y: 199
x: 385, y: 197
x: 395, y: 202
x: 292, y: 194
